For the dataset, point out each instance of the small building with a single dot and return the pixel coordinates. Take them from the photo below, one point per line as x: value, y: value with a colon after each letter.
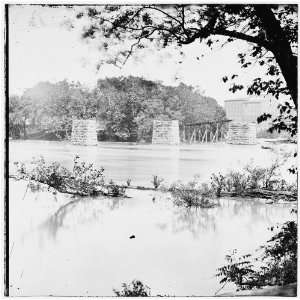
x: 244, y: 113
x: 243, y: 110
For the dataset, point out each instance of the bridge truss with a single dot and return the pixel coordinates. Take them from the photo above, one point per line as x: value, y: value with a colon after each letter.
x: 204, y: 132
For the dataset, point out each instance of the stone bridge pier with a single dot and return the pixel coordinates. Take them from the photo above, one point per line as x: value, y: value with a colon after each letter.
x: 165, y: 132
x: 84, y: 132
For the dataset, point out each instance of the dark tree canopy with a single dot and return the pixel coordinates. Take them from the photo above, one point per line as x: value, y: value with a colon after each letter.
x: 126, y: 106
x: 270, y: 31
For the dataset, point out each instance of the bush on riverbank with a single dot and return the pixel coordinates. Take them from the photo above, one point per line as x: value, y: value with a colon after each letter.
x: 276, y: 265
x: 115, y: 190
x: 134, y: 289
x: 84, y: 179
x: 251, y: 178
x: 192, y: 194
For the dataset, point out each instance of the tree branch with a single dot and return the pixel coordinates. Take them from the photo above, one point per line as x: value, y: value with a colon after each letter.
x: 242, y: 36
x: 163, y: 12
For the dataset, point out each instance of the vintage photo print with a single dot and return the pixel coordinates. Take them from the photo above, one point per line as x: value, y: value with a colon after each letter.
x: 151, y: 149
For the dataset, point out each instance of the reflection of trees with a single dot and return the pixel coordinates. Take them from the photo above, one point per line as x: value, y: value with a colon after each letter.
x: 82, y: 210
x: 251, y: 212
x: 252, y: 208
x: 193, y: 219
x: 55, y: 222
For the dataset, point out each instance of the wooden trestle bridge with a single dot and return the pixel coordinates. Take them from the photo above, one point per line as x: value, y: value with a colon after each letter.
x: 204, y: 132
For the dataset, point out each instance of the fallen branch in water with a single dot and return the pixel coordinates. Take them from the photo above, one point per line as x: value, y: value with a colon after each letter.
x: 262, y: 193
x: 68, y: 189
x: 255, y: 193
x: 83, y: 180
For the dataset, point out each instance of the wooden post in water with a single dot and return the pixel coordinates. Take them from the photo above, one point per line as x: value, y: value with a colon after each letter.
x: 204, y: 135
x: 192, y: 137
x: 199, y: 135
x: 214, y: 137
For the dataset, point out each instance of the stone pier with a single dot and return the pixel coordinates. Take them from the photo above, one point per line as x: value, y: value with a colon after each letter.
x: 84, y: 132
x: 241, y: 133
x: 165, y: 132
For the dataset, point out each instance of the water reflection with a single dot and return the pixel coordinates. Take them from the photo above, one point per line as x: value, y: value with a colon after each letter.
x: 88, y: 239
x: 195, y: 220
x: 80, y: 211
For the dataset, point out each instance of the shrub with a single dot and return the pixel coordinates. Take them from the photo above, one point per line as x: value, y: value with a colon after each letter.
x: 20, y: 170
x: 115, y: 190
x: 276, y: 266
x: 218, y: 183
x: 84, y: 178
x: 238, y: 181
x: 191, y: 194
x: 270, y: 176
x: 52, y: 174
x: 255, y: 176
x: 134, y: 289
x: 251, y: 177
x: 234, y: 181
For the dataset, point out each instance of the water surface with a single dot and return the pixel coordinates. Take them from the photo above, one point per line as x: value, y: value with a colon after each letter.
x: 141, y: 162
x: 61, y: 245
x: 71, y: 246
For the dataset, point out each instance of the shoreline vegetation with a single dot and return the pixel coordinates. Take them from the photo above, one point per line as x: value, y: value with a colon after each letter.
x: 85, y: 180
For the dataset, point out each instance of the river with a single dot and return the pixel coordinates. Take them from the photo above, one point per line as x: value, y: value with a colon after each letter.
x: 66, y: 246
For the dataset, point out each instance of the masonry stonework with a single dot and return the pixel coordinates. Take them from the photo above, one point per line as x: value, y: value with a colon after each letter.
x: 84, y: 132
x: 241, y: 133
x: 165, y: 132
x: 243, y: 113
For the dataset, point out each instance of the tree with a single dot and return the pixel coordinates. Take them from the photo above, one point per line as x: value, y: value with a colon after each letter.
x: 19, y: 111
x: 54, y: 105
x: 130, y: 104
x: 270, y: 31
x: 127, y: 105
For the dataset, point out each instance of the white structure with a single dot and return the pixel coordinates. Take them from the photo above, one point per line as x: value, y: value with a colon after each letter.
x: 84, y: 132
x: 244, y: 113
x: 165, y: 132
x: 241, y: 133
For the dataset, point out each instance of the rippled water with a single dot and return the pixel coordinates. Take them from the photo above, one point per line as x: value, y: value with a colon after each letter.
x: 140, y: 162
x: 61, y: 245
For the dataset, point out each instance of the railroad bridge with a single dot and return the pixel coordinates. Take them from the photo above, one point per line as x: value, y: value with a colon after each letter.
x: 204, y: 132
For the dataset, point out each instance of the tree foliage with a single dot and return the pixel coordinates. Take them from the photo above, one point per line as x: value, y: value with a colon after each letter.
x: 130, y: 104
x: 276, y: 265
x: 126, y: 105
x: 50, y: 107
x: 134, y: 289
x: 269, y: 30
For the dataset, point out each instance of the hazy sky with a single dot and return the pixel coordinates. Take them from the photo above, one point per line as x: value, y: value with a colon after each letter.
x: 43, y: 48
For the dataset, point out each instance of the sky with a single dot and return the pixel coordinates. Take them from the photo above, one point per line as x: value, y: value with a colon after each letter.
x: 42, y: 47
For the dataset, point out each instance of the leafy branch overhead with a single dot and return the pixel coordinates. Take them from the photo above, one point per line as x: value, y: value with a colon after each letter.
x: 269, y: 30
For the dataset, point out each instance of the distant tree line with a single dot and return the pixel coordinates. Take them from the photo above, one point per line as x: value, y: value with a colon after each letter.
x: 125, y: 106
